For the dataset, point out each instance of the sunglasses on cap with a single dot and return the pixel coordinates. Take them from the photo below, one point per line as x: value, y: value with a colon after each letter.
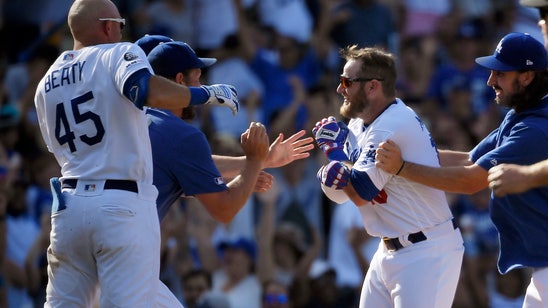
x: 121, y: 21
x: 347, y: 82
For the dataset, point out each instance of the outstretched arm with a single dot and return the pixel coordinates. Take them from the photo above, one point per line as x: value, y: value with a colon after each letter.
x: 281, y: 153
x: 223, y: 206
x: 467, y: 178
x: 511, y: 179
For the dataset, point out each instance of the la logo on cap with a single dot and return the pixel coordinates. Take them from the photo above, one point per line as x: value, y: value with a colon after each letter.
x: 499, y: 46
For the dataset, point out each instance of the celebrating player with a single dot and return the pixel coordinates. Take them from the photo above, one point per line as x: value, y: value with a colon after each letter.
x: 105, y: 227
x: 197, y: 174
x: 511, y: 178
x: 519, y: 78
x: 419, y: 239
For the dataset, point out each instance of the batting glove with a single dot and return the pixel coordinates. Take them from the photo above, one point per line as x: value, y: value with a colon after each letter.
x: 334, y: 175
x: 223, y: 95
x: 331, y: 136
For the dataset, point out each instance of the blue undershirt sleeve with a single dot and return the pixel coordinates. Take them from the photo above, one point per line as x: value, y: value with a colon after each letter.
x: 363, y: 185
x: 198, y: 96
x: 136, y: 87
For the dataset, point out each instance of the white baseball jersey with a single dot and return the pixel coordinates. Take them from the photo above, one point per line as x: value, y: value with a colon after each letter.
x: 402, y: 206
x: 100, y: 234
x: 79, y: 107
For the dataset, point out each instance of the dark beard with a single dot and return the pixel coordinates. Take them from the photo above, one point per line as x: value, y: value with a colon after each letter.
x: 521, y: 101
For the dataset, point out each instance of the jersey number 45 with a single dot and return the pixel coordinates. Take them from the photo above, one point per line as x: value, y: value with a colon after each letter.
x: 63, y: 132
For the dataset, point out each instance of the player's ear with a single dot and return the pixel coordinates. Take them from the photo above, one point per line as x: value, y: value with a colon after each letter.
x: 526, y: 78
x: 180, y: 78
x: 105, y: 28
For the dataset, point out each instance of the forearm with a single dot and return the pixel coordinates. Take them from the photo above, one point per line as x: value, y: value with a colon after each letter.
x: 461, y: 179
x: 224, y: 206
x: 538, y: 174
x: 454, y: 158
x: 229, y: 166
x: 241, y: 187
x: 166, y: 94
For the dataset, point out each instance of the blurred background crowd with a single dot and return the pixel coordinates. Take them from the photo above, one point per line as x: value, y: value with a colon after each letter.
x: 289, y: 247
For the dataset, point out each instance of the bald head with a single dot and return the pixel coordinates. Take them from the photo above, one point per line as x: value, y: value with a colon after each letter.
x: 84, y: 24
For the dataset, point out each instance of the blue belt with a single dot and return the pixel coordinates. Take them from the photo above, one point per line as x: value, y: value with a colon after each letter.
x: 109, y: 184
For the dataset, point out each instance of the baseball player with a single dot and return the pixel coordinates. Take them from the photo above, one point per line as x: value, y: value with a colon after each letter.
x: 519, y: 77
x: 191, y: 171
x: 511, y: 178
x: 418, y: 261
x: 105, y: 227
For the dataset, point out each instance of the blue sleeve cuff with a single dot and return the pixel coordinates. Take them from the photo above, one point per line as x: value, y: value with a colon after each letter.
x: 363, y: 185
x: 337, y: 155
x: 198, y: 96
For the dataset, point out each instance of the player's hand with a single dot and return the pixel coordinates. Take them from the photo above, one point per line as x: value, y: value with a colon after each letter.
x: 331, y: 136
x: 223, y: 95
x: 388, y: 157
x: 255, y: 142
x: 509, y: 179
x: 264, y: 182
x: 334, y: 175
x: 283, y: 152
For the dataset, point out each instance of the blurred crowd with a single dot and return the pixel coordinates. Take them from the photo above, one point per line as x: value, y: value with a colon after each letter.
x: 289, y: 247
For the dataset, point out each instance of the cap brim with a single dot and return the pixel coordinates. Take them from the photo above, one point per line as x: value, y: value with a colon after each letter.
x: 208, y: 61
x: 534, y: 3
x: 492, y: 63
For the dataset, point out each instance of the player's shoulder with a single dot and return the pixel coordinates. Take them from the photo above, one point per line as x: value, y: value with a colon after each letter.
x: 170, y: 124
x: 127, y: 50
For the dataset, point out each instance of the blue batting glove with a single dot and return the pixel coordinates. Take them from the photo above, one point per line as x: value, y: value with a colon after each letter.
x: 331, y: 136
x: 334, y: 175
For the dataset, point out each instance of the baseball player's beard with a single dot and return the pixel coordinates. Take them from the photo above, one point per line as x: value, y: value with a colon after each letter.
x: 355, y: 108
x: 513, y: 100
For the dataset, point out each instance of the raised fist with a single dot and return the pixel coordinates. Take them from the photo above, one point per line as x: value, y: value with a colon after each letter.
x: 223, y: 95
x: 331, y: 136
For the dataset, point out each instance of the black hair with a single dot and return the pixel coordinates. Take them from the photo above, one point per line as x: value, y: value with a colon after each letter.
x: 534, y: 92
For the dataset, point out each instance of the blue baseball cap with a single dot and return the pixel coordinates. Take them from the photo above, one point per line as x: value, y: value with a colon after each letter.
x: 516, y: 52
x: 168, y: 59
x: 241, y: 243
x: 148, y: 42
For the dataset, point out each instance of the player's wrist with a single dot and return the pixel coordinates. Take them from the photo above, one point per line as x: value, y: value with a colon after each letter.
x: 198, y: 96
x: 401, y: 167
x: 335, y: 153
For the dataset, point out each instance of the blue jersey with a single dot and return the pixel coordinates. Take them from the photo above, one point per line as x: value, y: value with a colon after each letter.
x: 182, y: 160
x: 521, y: 219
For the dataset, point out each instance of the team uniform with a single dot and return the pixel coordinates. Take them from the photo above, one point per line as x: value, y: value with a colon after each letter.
x: 417, y: 264
x: 173, y: 139
x: 104, y: 222
x: 520, y: 218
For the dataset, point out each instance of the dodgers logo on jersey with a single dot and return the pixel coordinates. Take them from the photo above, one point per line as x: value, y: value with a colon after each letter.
x: 128, y: 56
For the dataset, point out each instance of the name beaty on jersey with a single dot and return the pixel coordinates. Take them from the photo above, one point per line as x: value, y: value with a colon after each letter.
x: 65, y: 76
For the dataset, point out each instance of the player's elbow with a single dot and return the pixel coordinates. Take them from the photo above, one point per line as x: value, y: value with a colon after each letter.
x: 223, y: 209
